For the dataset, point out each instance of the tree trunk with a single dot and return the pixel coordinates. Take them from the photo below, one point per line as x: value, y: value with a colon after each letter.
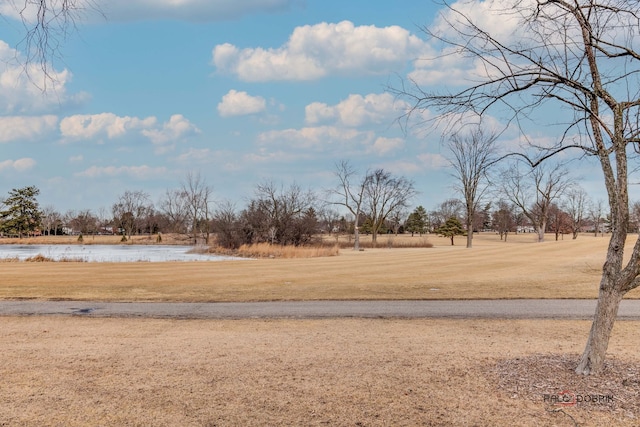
x: 452, y: 240
x: 592, y: 359
x: 356, y: 237
x: 469, y: 233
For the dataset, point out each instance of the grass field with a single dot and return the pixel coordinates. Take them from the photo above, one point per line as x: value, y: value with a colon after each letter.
x: 69, y: 371
x: 518, y: 268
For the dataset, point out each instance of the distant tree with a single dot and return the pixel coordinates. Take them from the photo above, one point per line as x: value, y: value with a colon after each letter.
x: 331, y: 222
x: 482, y: 218
x: 21, y: 214
x: 535, y: 191
x: 384, y: 194
x: 227, y: 226
x: 173, y: 205
x: 470, y: 157
x: 51, y: 220
x: 85, y: 222
x: 559, y: 221
x: 597, y: 216
x: 417, y: 221
x: 280, y: 215
x: 349, y: 193
x: 130, y: 210
x: 197, y: 193
x: 447, y: 209
x: 396, y: 219
x: 575, y: 205
x: 451, y: 228
x: 504, y: 219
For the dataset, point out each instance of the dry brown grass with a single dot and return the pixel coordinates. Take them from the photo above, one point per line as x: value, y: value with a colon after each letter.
x: 72, y: 371
x: 167, y: 239
x: 518, y: 268
x: 384, y: 241
x: 265, y: 250
x: 341, y: 372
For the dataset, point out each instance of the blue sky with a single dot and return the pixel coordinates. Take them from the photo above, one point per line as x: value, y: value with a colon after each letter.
x: 239, y: 91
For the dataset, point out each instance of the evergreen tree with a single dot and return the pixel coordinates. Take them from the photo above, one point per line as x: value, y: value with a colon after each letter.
x: 417, y: 221
x: 451, y: 228
x: 21, y: 214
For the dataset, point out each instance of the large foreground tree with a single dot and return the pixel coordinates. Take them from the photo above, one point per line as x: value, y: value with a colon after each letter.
x: 578, y: 57
x: 46, y: 25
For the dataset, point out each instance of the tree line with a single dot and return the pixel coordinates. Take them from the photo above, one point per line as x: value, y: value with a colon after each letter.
x: 275, y: 213
x: 373, y: 202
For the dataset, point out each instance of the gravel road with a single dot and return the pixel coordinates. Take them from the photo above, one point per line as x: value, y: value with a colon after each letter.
x: 507, y: 309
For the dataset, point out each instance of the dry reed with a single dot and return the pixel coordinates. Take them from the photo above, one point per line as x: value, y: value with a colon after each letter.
x: 266, y: 250
x: 384, y: 241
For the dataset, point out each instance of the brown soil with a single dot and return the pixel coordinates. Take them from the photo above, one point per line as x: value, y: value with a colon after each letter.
x: 60, y: 371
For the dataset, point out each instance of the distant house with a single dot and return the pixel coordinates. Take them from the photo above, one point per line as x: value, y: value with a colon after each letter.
x: 525, y: 229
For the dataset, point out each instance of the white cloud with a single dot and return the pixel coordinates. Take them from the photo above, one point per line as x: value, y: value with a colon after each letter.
x: 433, y: 160
x: 383, y: 146
x: 139, y: 172
x: 236, y: 103
x: 89, y: 126
x: 503, y: 18
x: 14, y: 128
x: 357, y: 110
x: 20, y: 165
x: 21, y: 86
x: 176, y: 128
x: 223, y: 159
x: 76, y: 159
x: 86, y: 126
x: 317, y: 138
x: 402, y: 167
x: 265, y: 156
x: 315, y: 51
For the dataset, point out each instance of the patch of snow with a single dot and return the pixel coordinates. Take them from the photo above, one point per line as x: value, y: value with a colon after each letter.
x: 108, y: 253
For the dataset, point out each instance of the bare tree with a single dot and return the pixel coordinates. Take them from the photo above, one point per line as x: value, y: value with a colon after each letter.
x: 450, y: 208
x: 575, y: 204
x: 471, y: 156
x: 46, y: 23
x: 397, y: 218
x: 596, y: 213
x: 350, y: 195
x: 280, y: 215
x: 503, y: 219
x: 226, y: 224
x: 51, y: 220
x: 634, y: 217
x: 197, y: 200
x: 576, y: 56
x: 385, y: 194
x: 559, y: 221
x: 173, y: 206
x: 535, y: 192
x: 131, y: 208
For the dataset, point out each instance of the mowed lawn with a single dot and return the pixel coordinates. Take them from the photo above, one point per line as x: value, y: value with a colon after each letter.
x: 494, y: 269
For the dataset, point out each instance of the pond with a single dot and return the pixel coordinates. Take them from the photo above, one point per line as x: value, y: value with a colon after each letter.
x: 108, y: 253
